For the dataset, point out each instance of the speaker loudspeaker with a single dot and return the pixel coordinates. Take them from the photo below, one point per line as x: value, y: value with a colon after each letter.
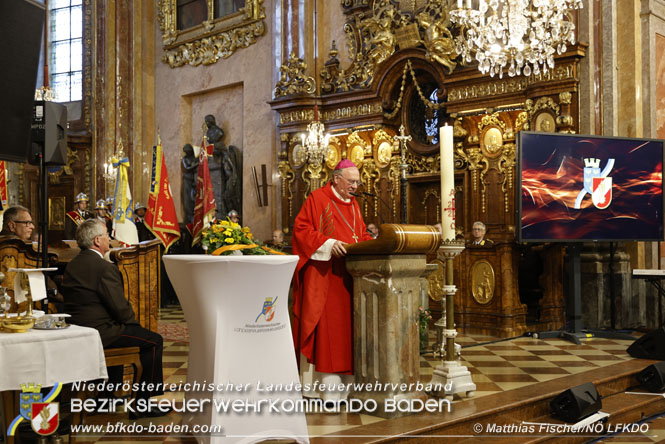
x: 652, y: 378
x: 649, y: 346
x: 576, y: 403
x: 49, y: 129
x: 21, y: 31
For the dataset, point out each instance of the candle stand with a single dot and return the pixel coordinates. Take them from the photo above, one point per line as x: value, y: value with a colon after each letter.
x: 450, y: 374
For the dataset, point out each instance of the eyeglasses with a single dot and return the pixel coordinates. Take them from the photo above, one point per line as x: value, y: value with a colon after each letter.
x: 26, y: 222
x: 352, y: 182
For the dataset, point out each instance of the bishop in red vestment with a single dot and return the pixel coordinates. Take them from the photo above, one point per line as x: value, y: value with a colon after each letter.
x: 329, y: 219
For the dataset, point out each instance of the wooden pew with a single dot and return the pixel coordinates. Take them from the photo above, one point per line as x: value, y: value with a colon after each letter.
x: 138, y: 264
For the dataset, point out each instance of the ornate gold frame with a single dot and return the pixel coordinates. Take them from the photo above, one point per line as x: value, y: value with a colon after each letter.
x: 214, y: 38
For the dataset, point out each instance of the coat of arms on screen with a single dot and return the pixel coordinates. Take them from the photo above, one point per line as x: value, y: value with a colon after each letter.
x: 596, y: 183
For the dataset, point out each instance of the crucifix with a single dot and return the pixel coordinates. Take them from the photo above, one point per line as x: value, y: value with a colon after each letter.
x: 402, y: 139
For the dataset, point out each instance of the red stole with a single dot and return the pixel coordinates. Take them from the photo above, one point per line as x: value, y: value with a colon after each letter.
x: 322, y: 308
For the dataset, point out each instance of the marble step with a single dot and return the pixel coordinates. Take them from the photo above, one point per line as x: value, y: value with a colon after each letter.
x: 530, y: 403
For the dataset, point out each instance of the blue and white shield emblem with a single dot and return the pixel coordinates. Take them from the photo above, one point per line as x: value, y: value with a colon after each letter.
x: 589, y: 174
x: 25, y: 404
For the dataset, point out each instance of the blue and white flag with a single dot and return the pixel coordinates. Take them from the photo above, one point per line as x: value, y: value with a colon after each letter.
x: 124, y: 229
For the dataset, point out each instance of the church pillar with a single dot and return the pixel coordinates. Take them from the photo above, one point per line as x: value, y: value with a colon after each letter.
x: 123, y: 112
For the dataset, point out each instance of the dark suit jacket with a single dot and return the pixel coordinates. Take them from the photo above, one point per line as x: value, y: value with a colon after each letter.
x: 94, y: 296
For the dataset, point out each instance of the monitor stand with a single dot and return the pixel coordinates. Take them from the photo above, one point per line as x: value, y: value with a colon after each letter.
x: 574, y: 307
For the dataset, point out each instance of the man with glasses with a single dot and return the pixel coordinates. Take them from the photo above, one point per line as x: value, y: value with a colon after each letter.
x: 329, y: 220
x: 17, y: 222
x: 94, y: 297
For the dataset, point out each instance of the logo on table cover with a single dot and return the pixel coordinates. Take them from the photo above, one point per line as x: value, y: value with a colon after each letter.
x: 267, y: 311
x: 596, y: 183
x: 39, y: 410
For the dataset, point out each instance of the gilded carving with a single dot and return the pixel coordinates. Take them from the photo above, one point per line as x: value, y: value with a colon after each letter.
x: 383, y: 154
x: 357, y: 154
x: 438, y: 40
x: 394, y: 177
x: 67, y: 170
x: 509, y: 86
x: 506, y: 167
x: 299, y: 155
x: 482, y: 282
x: 422, y: 164
x: 522, y: 121
x: 565, y: 98
x: 293, y: 80
x: 492, y: 141
x: 545, y: 122
x: 303, y: 115
x: 372, y: 37
x: 370, y: 176
x: 209, y: 50
x: 56, y: 213
x: 287, y: 176
x: 334, y: 154
x: 437, y: 198
x: 215, y: 39
x: 542, y: 114
x: 383, y: 148
x: 353, y: 111
x: 435, y: 280
x: 356, y: 148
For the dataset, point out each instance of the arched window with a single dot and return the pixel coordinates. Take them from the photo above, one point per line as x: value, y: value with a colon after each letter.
x: 66, y: 49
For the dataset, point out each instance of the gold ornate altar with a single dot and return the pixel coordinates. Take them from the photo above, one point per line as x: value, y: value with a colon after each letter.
x: 404, y: 71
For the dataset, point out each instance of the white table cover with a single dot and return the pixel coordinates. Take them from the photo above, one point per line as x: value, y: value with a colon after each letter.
x: 49, y: 356
x: 222, y: 298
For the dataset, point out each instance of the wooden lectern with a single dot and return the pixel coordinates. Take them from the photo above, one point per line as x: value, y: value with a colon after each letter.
x: 387, y: 277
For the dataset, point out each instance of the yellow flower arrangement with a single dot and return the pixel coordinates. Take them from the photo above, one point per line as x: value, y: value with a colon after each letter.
x: 224, y: 237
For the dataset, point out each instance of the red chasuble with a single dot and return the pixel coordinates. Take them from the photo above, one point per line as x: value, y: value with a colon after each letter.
x: 322, y: 290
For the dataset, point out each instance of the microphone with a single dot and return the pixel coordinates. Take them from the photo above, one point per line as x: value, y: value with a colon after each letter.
x: 365, y: 193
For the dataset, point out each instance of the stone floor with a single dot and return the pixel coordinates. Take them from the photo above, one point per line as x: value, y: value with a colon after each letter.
x: 496, y: 366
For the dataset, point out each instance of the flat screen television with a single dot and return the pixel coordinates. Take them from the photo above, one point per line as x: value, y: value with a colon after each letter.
x: 589, y: 188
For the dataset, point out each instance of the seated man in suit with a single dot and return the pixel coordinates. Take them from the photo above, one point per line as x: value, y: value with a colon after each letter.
x: 17, y: 222
x: 478, y: 232
x: 94, y: 297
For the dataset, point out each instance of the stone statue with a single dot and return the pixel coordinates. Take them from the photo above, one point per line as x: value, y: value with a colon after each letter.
x: 214, y: 134
x: 190, y: 166
x: 225, y: 167
x: 232, y: 165
x: 217, y: 179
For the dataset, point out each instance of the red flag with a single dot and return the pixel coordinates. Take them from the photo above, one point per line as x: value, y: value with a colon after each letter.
x: 204, y: 207
x: 161, y: 218
x: 3, y: 184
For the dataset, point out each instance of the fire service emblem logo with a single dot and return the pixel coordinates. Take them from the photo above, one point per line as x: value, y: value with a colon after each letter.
x: 596, y: 183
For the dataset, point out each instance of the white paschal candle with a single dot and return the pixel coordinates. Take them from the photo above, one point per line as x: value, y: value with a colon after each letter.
x: 447, y: 182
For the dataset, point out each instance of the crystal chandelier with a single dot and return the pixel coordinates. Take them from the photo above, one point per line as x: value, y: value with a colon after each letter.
x: 522, y: 35
x: 315, y: 141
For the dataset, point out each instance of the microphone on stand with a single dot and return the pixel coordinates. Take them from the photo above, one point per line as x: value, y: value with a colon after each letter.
x: 365, y: 193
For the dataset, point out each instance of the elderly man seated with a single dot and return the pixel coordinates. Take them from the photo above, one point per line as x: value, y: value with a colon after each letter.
x: 94, y: 297
x: 17, y: 222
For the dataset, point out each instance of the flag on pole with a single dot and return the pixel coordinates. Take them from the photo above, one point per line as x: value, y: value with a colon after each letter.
x: 3, y: 184
x: 124, y: 229
x: 204, y: 207
x: 161, y: 218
